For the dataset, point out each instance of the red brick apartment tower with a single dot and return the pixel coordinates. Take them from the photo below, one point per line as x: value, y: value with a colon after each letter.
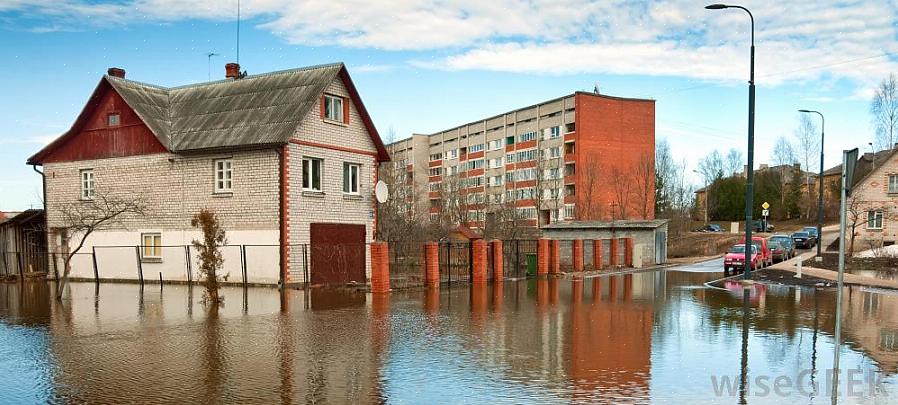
x: 613, y: 133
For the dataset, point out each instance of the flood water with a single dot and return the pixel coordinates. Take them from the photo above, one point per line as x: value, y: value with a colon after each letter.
x: 660, y: 337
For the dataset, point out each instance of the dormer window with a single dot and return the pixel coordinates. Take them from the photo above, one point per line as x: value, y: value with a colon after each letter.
x: 333, y: 108
x: 114, y: 119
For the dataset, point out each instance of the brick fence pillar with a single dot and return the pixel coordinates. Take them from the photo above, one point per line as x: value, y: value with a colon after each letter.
x: 432, y: 264
x: 577, y: 253
x: 498, y: 262
x: 613, y: 252
x: 478, y: 258
x: 542, y: 257
x: 554, y: 256
x: 628, y: 252
x: 597, y: 255
x: 380, y: 267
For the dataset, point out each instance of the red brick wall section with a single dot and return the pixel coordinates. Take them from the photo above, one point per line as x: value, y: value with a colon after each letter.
x: 554, y: 257
x: 380, y: 268
x: 628, y: 252
x: 432, y: 265
x: 597, y: 254
x: 542, y: 257
x: 478, y: 256
x: 613, y: 252
x: 577, y: 252
x: 498, y: 262
x: 614, y: 134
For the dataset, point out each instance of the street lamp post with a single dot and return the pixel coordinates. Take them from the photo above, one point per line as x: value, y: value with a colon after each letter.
x: 820, y: 185
x: 749, y: 172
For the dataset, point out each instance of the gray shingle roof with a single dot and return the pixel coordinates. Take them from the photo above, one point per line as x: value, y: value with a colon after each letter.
x: 256, y: 110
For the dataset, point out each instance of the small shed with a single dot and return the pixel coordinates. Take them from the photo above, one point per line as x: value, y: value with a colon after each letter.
x: 23, y: 243
x: 649, y: 236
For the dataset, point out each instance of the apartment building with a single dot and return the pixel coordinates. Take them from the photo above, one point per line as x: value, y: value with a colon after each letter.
x: 580, y: 156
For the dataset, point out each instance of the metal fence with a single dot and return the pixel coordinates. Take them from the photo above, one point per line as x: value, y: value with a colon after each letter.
x: 455, y: 262
x: 520, y: 255
x: 406, y: 264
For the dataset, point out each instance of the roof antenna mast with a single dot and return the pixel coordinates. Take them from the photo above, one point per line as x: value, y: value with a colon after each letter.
x: 209, y: 65
x: 238, y: 32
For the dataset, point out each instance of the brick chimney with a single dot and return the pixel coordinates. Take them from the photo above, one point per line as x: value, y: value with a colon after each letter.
x: 117, y: 72
x: 232, y: 71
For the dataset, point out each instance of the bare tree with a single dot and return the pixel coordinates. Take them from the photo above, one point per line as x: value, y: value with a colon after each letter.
x: 733, y: 163
x: 884, y: 109
x: 643, y: 188
x: 783, y: 155
x: 665, y: 174
x: 711, y: 167
x: 81, y: 218
x: 590, y: 191
x: 855, y: 217
x: 808, y: 144
x: 621, y: 186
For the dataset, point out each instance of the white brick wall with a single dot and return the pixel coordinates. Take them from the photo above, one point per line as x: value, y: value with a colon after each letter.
x: 873, y: 194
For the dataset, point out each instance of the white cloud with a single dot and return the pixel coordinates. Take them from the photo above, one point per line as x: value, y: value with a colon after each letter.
x: 661, y: 38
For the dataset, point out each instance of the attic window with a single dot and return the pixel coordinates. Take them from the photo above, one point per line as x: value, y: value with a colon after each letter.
x: 114, y: 119
x: 333, y: 108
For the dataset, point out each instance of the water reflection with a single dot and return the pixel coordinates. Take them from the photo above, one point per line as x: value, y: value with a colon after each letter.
x: 657, y: 336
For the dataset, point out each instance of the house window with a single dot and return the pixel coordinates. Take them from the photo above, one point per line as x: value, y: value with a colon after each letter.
x: 113, y: 119
x: 151, y: 245
x: 224, y: 176
x: 554, y: 132
x: 311, y: 174
x: 333, y: 108
x: 351, y: 178
x: 874, y: 219
x: 893, y: 183
x: 87, y: 184
x: 475, y: 148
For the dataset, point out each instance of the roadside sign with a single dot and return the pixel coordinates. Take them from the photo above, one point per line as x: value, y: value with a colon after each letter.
x: 850, y: 161
x: 765, y: 206
x: 765, y: 212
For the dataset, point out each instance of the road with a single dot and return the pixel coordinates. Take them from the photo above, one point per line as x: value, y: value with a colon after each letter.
x: 713, y: 265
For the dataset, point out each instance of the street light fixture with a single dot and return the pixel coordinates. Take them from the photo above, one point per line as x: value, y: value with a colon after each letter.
x: 749, y: 172
x: 820, y: 186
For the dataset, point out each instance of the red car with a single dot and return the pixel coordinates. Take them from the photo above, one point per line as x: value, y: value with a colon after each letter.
x: 763, y: 250
x: 735, y: 259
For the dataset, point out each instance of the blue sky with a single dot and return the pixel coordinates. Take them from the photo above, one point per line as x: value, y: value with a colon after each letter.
x: 422, y: 66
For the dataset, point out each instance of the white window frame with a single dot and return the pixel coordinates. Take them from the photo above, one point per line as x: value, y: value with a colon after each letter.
x: 87, y: 183
x: 330, y: 112
x: 893, y: 183
x: 873, y: 217
x: 351, y: 187
x: 569, y: 211
x: 308, y: 169
x: 224, y: 175
x: 154, y: 247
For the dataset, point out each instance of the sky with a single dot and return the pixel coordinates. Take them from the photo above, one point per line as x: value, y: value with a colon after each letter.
x: 422, y: 66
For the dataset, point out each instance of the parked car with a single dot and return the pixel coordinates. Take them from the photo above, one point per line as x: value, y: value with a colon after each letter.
x: 710, y: 228
x: 761, y: 226
x: 766, y: 257
x: 812, y: 230
x: 786, y: 242
x: 777, y: 251
x: 734, y: 260
x: 804, y: 240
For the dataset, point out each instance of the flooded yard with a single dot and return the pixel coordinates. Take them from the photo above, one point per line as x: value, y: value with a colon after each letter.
x: 659, y: 337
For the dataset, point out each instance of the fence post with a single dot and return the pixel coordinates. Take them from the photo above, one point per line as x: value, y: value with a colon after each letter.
x: 597, y: 254
x: 187, y: 264
x: 243, y: 262
x: 542, y: 257
x: 380, y: 267
x: 628, y: 252
x: 554, y: 256
x: 577, y: 253
x: 432, y: 264
x: 96, y: 272
x: 613, y: 252
x: 498, y: 264
x: 139, y: 265
x: 478, y: 261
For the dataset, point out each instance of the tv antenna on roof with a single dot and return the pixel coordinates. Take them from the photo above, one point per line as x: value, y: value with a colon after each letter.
x: 209, y: 67
x: 238, y: 32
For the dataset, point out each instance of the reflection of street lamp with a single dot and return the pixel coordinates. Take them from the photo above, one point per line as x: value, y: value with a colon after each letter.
x: 820, y: 186
x: 707, y: 193
x: 750, y: 171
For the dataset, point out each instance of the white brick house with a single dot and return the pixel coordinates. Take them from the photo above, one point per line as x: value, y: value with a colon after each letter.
x: 287, y: 159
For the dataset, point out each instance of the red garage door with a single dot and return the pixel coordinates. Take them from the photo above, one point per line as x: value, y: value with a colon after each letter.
x: 338, y: 253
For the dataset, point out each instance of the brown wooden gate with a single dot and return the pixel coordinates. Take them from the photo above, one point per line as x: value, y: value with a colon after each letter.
x: 338, y: 253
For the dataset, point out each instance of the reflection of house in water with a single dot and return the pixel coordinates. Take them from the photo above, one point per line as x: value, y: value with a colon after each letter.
x: 871, y: 322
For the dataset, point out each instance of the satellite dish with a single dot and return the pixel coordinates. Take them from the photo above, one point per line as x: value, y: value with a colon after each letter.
x: 381, y: 192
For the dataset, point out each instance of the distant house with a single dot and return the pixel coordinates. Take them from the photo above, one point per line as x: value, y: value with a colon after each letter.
x: 23, y: 243
x: 287, y: 159
x: 874, y: 200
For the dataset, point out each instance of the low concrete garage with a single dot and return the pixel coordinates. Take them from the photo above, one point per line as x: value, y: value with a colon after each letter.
x: 649, y: 237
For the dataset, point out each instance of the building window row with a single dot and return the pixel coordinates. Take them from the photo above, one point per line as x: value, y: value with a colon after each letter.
x: 436, y: 171
x: 527, y: 136
x: 475, y: 148
x: 527, y: 213
x: 496, y: 144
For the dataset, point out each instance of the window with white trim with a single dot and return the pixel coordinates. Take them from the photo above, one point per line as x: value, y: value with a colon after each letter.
x: 351, y: 178
x: 527, y: 213
x: 496, y: 163
x: 569, y: 211
x: 874, y: 219
x: 554, y: 132
x: 893, y: 183
x: 311, y: 174
x: 497, y: 181
x: 87, y: 184
x: 224, y: 176
x: 496, y: 144
x: 333, y: 108
x: 475, y: 148
x: 436, y: 156
x: 527, y: 136
x: 151, y: 245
